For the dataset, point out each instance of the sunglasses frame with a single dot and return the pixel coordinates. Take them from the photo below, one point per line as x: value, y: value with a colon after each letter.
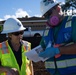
x: 18, y: 33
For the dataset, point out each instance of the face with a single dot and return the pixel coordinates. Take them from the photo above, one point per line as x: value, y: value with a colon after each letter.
x: 55, y: 15
x: 16, y: 36
x: 57, y: 11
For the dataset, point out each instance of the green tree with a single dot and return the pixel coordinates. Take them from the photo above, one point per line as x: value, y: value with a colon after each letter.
x: 69, y: 5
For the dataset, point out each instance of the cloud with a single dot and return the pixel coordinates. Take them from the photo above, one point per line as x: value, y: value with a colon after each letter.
x: 18, y: 14
x: 21, y: 13
x: 1, y: 19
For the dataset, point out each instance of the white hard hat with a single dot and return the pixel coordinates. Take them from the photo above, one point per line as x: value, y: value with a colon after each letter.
x: 46, y: 5
x: 12, y: 25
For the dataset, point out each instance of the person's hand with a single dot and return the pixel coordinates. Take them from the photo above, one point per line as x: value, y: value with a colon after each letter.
x: 16, y: 71
x: 49, y: 52
x: 12, y: 71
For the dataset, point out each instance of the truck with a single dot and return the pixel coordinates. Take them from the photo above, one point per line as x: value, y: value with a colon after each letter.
x: 32, y: 33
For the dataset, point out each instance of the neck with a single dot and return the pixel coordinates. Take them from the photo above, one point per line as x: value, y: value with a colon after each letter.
x: 61, y: 18
x: 15, y: 45
x: 15, y: 42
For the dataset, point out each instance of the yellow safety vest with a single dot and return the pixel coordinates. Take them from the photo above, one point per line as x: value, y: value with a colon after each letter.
x: 7, y: 58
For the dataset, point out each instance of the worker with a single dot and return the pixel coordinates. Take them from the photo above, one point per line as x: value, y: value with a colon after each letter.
x: 59, y: 40
x: 12, y: 51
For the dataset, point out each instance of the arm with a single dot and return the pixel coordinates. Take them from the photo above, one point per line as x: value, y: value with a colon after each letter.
x: 10, y: 71
x: 70, y: 49
x: 2, y: 69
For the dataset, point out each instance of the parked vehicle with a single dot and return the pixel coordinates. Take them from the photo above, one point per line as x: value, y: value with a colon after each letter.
x: 30, y: 33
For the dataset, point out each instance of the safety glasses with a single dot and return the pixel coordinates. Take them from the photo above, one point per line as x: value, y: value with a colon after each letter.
x: 18, y: 33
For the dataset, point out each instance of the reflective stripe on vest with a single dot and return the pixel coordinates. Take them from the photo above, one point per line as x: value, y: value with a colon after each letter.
x: 61, y: 64
x: 4, y: 48
x: 68, y: 23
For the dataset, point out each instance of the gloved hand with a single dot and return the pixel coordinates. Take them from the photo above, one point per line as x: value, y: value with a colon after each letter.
x: 49, y: 52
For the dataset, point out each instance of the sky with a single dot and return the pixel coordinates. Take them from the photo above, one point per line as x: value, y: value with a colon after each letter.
x: 20, y: 8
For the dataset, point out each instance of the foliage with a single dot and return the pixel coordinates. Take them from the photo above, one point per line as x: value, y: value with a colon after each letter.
x: 69, y: 5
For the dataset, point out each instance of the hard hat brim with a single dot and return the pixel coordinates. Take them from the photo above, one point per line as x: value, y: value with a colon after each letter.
x: 51, y: 8
x: 10, y: 31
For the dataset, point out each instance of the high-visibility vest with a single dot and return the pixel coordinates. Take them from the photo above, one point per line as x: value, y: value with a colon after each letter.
x: 7, y: 58
x: 65, y: 64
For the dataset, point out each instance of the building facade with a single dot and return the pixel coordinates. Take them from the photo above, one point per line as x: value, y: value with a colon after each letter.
x: 36, y: 23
